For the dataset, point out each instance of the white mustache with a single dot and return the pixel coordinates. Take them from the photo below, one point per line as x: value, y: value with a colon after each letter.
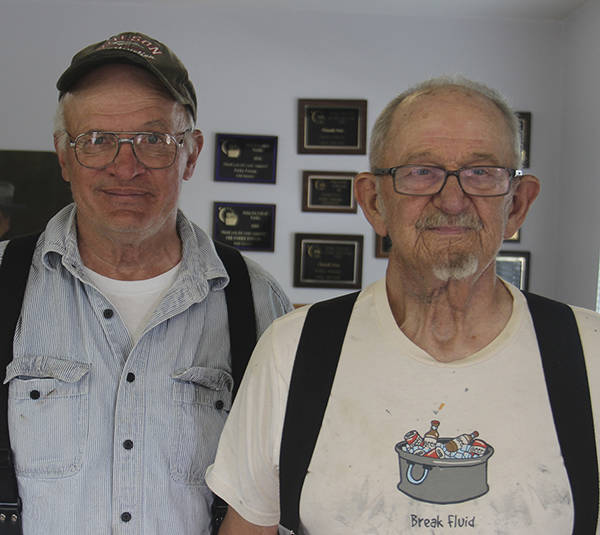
x: 440, y: 219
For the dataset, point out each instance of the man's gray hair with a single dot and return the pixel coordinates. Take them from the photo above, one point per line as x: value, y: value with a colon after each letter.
x: 381, y: 128
x: 60, y: 124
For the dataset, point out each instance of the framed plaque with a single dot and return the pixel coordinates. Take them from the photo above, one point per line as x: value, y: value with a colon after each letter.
x: 328, y: 260
x: 513, y: 267
x: 332, y: 126
x: 249, y: 227
x: 245, y: 158
x: 328, y: 191
x: 383, y: 245
x: 524, y: 118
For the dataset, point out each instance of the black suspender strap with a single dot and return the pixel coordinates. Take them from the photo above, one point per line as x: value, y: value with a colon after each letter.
x: 242, y: 333
x: 568, y: 390
x: 14, y: 271
x: 314, y: 369
x: 240, y: 311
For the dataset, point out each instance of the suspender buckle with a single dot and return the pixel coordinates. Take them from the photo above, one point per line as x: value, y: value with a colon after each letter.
x: 10, y: 512
x: 10, y: 518
x: 10, y: 503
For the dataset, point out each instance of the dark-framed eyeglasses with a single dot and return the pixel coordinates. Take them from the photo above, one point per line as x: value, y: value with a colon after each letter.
x: 477, y: 181
x: 154, y: 150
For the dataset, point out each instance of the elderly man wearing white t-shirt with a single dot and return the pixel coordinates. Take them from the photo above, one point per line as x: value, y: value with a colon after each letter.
x: 446, y: 412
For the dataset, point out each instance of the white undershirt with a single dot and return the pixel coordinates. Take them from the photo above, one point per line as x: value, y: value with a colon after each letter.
x: 136, y: 300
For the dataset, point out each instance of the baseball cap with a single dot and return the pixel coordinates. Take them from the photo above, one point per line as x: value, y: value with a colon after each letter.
x: 137, y: 49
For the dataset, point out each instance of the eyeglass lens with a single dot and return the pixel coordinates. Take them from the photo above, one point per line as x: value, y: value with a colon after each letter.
x: 99, y: 149
x: 426, y: 180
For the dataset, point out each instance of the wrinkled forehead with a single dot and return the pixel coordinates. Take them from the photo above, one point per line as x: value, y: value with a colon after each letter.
x: 453, y: 99
x: 448, y: 113
x: 118, y: 86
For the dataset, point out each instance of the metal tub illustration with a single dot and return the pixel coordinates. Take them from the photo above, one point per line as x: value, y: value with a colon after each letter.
x: 445, y: 480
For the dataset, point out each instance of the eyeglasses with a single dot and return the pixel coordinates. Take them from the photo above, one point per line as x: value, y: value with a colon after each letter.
x: 480, y: 181
x: 154, y: 150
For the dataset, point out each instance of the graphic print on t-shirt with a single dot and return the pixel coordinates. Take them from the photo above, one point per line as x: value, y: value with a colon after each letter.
x: 443, y: 470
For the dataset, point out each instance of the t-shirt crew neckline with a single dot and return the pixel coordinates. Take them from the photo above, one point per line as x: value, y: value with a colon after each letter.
x: 401, y: 344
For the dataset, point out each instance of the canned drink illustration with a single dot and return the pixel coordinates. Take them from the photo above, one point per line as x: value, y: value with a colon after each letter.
x: 413, y: 438
x: 478, y: 447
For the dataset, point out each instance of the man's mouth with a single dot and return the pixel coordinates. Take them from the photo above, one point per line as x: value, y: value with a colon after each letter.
x: 449, y: 224
x: 124, y: 192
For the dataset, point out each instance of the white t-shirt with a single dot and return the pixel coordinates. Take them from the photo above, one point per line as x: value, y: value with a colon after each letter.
x: 360, y: 480
x: 135, y: 301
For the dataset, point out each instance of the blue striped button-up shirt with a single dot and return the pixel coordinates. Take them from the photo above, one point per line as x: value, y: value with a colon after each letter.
x: 112, y: 437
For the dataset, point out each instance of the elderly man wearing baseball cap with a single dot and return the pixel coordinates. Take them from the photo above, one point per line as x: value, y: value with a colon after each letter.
x: 121, y: 376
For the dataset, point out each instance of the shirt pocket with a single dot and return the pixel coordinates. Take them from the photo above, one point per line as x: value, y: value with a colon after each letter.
x: 47, y: 415
x: 202, y: 400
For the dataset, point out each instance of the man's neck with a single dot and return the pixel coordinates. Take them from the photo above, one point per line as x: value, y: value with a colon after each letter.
x: 128, y: 257
x: 450, y: 320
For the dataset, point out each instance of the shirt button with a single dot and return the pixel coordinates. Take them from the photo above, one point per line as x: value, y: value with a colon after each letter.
x: 125, y: 517
x: 130, y: 377
x: 128, y: 444
x: 34, y: 394
x: 108, y: 313
x: 219, y: 404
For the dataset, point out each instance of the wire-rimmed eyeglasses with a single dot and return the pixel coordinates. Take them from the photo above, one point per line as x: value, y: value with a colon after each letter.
x: 154, y: 150
x: 477, y: 181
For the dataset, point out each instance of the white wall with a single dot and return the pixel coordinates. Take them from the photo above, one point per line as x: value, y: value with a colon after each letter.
x: 578, y: 215
x: 250, y: 67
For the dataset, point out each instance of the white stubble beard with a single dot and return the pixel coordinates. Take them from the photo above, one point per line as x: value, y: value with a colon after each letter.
x: 459, y: 268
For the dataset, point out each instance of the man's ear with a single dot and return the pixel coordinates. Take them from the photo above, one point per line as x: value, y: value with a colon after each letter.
x: 525, y: 193
x: 60, y: 148
x: 365, y: 192
x: 196, y: 146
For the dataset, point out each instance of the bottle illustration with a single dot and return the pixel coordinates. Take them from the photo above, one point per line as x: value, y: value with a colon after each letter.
x: 431, y: 437
x: 461, y: 440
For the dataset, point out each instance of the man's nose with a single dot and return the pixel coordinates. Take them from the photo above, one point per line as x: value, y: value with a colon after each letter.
x: 451, y: 199
x: 126, y: 164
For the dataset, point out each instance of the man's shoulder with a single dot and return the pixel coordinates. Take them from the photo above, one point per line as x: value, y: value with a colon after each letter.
x: 268, y: 293
x: 580, y: 313
x: 586, y: 318
x: 258, y: 274
x: 293, y: 322
x: 549, y: 301
x: 4, y: 243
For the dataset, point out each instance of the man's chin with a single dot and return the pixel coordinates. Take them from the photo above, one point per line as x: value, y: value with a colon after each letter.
x: 125, y: 223
x: 457, y: 268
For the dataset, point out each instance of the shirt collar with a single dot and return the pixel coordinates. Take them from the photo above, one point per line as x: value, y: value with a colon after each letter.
x: 201, y: 267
